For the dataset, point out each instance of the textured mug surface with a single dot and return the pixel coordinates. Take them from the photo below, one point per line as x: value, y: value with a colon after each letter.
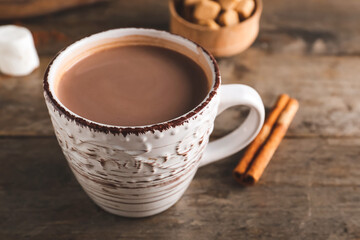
x: 134, y: 171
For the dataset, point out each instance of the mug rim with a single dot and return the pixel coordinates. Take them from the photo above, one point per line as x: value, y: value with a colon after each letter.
x: 125, y: 130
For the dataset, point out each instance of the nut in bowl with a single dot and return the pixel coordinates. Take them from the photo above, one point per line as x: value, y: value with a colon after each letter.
x: 224, y: 27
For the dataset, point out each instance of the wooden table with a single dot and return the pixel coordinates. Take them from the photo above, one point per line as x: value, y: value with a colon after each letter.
x: 311, y: 189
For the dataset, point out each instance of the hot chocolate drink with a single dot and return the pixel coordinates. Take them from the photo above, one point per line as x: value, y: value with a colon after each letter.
x: 133, y: 85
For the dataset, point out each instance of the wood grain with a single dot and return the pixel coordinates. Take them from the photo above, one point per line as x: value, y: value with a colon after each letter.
x: 221, y: 42
x: 315, y: 63
x: 22, y: 105
x: 326, y: 87
x: 29, y: 8
x: 311, y: 189
x: 323, y: 27
x: 308, y: 49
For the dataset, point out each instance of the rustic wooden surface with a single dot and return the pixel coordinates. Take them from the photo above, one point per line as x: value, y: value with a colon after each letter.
x: 311, y: 189
x: 20, y: 8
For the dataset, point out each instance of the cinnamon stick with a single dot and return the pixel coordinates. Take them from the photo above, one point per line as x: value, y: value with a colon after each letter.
x: 265, y: 154
x: 253, y: 148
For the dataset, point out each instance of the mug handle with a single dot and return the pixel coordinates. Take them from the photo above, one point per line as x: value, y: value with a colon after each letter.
x: 233, y: 95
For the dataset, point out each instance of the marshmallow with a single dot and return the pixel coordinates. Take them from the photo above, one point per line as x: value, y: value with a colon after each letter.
x: 206, y: 10
x: 229, y: 18
x: 245, y: 8
x: 209, y: 23
x: 228, y: 4
x: 18, y: 56
x: 191, y: 2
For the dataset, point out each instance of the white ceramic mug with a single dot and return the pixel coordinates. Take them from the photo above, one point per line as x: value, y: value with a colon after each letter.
x: 141, y: 171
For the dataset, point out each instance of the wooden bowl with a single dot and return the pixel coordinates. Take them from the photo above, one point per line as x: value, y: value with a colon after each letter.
x: 223, y: 42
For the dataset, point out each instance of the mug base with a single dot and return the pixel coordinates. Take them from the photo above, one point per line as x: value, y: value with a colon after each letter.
x: 141, y: 213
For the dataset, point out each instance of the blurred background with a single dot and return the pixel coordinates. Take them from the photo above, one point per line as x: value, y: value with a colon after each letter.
x: 308, y: 49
